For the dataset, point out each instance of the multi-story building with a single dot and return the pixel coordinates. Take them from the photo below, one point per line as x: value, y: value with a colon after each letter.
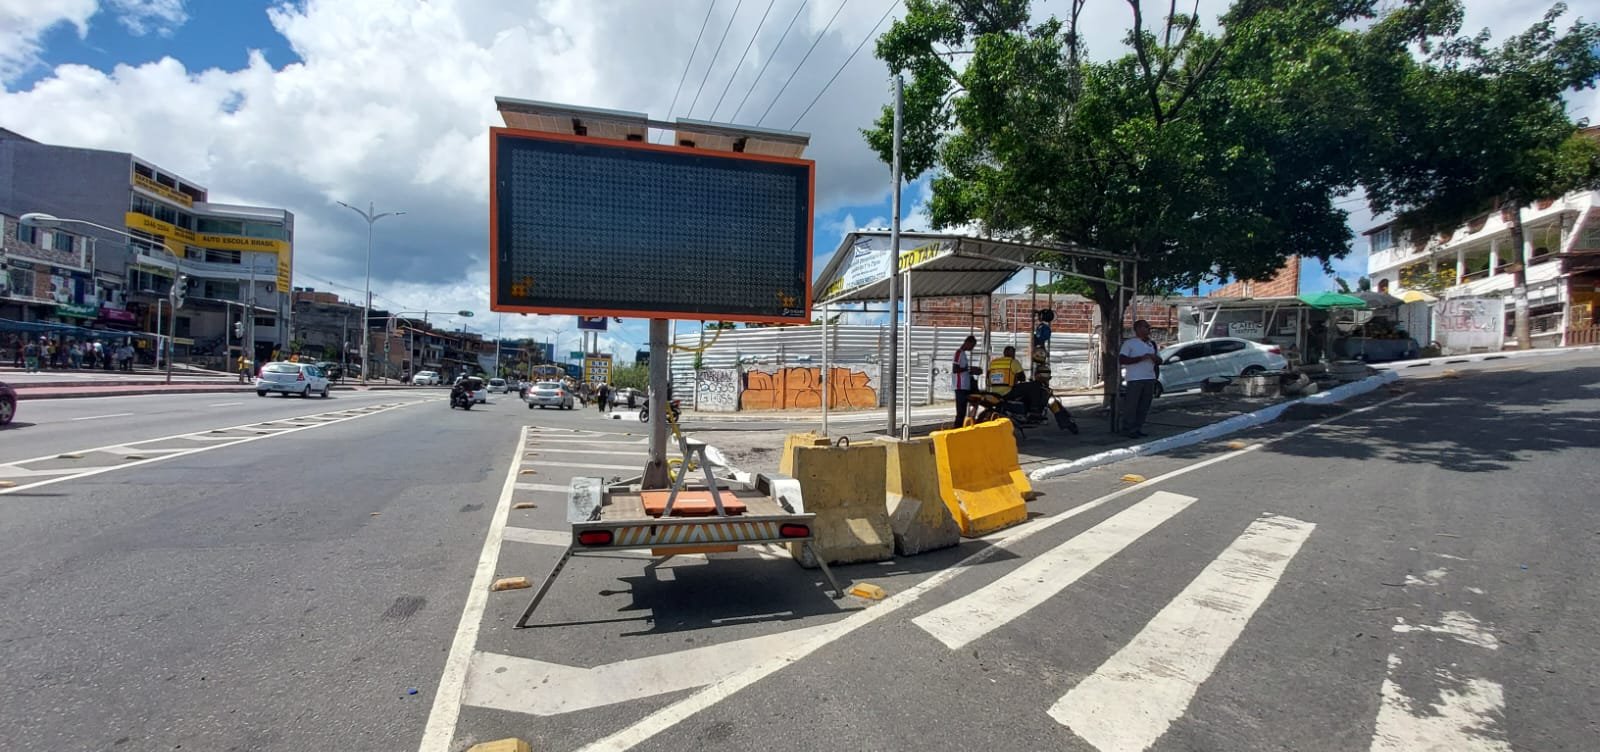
x: 238, y: 259
x: 1480, y: 257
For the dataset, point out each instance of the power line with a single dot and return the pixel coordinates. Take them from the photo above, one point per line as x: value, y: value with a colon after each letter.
x: 713, y: 62
x: 742, y: 57
x: 770, y: 58
x: 847, y: 60
x: 690, y: 61
x: 802, y: 62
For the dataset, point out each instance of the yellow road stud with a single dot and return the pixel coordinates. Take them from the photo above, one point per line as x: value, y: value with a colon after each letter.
x: 868, y: 590
x: 1237, y: 444
x: 501, y: 745
x: 1133, y: 478
x: 510, y: 583
x: 524, y: 505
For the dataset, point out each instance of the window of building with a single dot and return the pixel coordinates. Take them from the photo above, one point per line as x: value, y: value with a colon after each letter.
x: 26, y: 234
x: 264, y: 230
x: 222, y: 257
x: 140, y: 169
x: 167, y: 180
x: 219, y: 226
x: 181, y: 327
x: 185, y: 220
x: 20, y: 282
x: 1382, y: 240
x: 221, y: 290
x: 266, y: 321
x: 61, y: 241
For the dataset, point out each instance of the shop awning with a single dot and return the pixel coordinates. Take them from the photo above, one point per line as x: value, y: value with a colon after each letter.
x: 1323, y: 301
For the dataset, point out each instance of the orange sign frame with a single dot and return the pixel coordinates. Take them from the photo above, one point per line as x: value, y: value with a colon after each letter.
x: 494, y: 224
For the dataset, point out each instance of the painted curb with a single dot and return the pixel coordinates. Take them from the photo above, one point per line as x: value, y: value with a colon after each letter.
x: 1215, y: 430
x: 22, y: 394
x: 1443, y: 360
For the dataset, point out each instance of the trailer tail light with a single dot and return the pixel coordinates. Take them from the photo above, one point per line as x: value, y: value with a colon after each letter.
x: 594, y: 538
x: 794, y: 531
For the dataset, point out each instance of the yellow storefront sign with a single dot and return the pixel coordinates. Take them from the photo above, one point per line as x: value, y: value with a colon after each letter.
x: 144, y: 183
x: 145, y: 223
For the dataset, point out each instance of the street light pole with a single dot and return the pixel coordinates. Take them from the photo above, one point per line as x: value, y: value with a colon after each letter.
x: 372, y: 217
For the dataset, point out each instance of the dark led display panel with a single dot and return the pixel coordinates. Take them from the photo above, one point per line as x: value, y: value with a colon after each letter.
x: 588, y: 226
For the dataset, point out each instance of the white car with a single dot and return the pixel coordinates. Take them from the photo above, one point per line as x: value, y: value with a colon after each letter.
x: 303, y: 379
x: 498, y: 386
x: 549, y: 394
x: 1186, y: 364
x: 427, y: 378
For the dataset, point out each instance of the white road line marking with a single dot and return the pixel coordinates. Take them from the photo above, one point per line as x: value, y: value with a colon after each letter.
x: 224, y: 404
x: 441, y: 728
x: 538, y: 537
x: 1463, y: 719
x: 523, y: 685
x: 591, y: 466
x: 551, y: 487
x: 671, y: 715
x: 84, y: 472
x: 536, y: 451
x: 97, y: 417
x: 1133, y: 698
x: 976, y: 614
x: 1458, y: 624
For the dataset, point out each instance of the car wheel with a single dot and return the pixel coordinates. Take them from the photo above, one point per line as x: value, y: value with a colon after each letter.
x: 1160, y: 389
x: 261, y: 394
x: 1252, y: 370
x: 8, y: 410
x: 530, y: 405
x: 324, y: 392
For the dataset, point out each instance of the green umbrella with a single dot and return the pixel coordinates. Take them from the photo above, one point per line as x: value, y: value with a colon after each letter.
x: 1325, y: 300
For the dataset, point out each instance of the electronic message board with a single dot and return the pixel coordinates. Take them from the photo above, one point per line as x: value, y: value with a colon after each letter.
x: 603, y: 227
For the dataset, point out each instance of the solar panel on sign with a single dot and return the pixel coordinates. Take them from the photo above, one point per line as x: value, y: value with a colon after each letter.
x: 581, y: 225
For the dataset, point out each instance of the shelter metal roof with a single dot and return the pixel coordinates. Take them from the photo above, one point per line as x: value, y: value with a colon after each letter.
x: 945, y: 264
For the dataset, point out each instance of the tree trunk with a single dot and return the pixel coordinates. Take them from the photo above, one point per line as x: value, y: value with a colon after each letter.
x: 1110, y: 306
x: 1519, y: 280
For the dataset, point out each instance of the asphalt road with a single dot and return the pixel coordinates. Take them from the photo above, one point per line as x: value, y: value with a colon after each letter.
x: 1410, y: 569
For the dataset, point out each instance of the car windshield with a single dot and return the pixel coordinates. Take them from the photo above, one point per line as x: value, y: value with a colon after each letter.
x: 497, y: 382
x: 548, y: 385
x: 281, y: 368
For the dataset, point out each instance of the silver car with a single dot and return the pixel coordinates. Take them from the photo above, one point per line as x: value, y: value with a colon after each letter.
x: 302, y: 379
x: 549, y: 394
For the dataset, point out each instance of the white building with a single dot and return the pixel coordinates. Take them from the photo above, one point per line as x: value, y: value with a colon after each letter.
x: 1565, y: 237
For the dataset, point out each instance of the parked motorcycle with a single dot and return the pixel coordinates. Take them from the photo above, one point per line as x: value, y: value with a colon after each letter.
x: 993, y: 406
x: 675, y: 409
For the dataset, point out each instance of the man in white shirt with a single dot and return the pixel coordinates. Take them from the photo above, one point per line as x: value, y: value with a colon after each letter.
x: 1139, y: 358
x: 961, y: 372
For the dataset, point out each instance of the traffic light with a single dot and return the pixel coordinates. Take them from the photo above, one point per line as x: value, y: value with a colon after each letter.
x: 180, y: 290
x: 238, y: 329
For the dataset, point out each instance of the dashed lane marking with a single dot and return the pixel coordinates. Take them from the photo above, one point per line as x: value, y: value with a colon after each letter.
x: 205, y: 442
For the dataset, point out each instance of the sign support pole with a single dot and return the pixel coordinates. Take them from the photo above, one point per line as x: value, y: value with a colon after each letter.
x: 893, y: 377
x: 655, y: 470
x: 826, y: 369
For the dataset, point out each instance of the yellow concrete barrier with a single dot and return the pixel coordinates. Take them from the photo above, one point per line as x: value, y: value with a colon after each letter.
x: 786, y: 460
x: 980, y: 480
x: 917, y: 516
x: 843, y: 487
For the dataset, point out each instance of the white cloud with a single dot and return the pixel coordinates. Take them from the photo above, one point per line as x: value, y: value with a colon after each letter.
x: 23, y: 22
x: 141, y: 17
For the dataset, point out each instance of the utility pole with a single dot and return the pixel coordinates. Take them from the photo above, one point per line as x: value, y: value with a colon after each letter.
x: 371, y: 216
x: 894, y: 263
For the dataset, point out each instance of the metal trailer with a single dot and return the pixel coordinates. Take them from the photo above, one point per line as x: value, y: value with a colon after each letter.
x: 606, y: 519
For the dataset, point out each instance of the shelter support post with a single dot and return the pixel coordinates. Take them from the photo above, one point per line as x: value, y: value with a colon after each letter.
x: 909, y: 366
x: 892, y: 379
x: 827, y: 369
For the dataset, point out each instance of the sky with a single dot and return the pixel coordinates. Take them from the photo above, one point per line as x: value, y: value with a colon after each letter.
x: 304, y: 104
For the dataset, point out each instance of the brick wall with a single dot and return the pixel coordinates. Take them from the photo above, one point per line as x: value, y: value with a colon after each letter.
x: 1014, y: 313
x: 1284, y: 283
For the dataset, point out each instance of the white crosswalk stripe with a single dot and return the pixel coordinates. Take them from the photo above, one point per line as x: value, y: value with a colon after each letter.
x: 1131, y: 700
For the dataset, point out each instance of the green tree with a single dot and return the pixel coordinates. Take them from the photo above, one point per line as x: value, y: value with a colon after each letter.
x: 1207, y: 155
x: 1475, y: 128
x: 633, y: 377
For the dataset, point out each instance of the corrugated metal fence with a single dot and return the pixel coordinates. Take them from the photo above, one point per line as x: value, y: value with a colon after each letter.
x: 770, y: 365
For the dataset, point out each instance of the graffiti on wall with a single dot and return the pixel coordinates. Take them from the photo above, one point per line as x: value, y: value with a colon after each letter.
x: 717, y: 390
x: 801, y: 387
x: 1465, y: 324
